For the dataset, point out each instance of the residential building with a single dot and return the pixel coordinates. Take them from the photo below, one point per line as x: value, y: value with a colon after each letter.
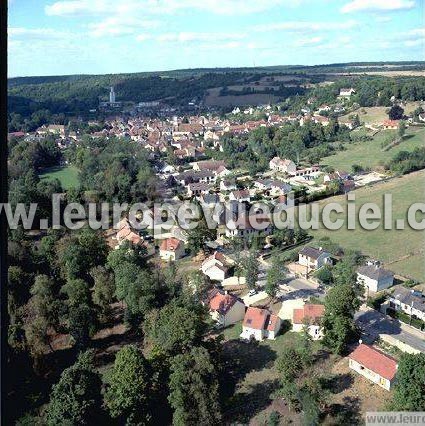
x: 313, y: 258
x: 171, y: 249
x: 376, y: 366
x: 228, y: 185
x: 309, y: 315
x: 240, y: 196
x: 260, y: 324
x: 374, y: 277
x: 285, y: 166
x: 346, y: 92
x: 390, y: 124
x: 216, y: 267
x: 409, y: 301
x: 225, y: 308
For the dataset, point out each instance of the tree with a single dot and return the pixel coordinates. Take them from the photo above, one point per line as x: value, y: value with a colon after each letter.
x: 104, y: 288
x: 338, y: 322
x: 194, y: 389
x: 324, y: 275
x: 175, y: 328
x: 275, y: 274
x: 251, y: 270
x: 127, y: 393
x: 76, y: 398
x: 198, y: 236
x: 396, y: 112
x: 409, y: 391
x: 401, y: 128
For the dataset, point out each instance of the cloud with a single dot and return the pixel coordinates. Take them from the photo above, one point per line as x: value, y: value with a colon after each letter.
x: 185, y: 37
x: 143, y: 37
x: 377, y: 5
x: 36, y: 33
x: 149, y: 7
x: 414, y: 37
x: 383, y: 19
x: 306, y: 26
x: 309, y: 41
x: 120, y: 25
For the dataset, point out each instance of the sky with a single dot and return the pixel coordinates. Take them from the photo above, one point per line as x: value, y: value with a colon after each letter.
x: 48, y: 37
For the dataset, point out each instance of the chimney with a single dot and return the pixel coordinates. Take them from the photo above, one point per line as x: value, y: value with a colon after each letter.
x: 226, y: 292
x: 360, y: 341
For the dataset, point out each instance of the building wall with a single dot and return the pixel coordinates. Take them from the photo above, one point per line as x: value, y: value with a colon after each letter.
x: 167, y: 255
x: 375, y: 285
x: 215, y: 274
x: 247, y: 332
x: 235, y: 314
x: 315, y: 331
x: 370, y: 375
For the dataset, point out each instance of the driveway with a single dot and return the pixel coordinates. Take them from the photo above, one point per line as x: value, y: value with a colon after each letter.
x: 373, y: 323
x: 250, y: 300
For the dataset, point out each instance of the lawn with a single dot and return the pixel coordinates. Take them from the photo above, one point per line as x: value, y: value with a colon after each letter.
x: 401, y: 250
x: 376, y: 115
x: 369, y: 153
x: 67, y: 175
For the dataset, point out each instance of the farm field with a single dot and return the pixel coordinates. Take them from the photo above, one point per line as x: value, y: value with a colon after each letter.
x: 402, y: 251
x: 213, y: 98
x: 369, y: 154
x: 376, y: 115
x: 67, y: 175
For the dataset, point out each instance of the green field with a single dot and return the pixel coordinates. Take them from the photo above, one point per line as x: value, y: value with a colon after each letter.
x: 402, y: 251
x: 67, y: 175
x: 369, y: 154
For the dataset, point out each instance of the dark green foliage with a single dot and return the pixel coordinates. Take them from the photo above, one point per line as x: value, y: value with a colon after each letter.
x: 409, y: 392
x: 127, y: 394
x: 396, y: 112
x: 194, y: 387
x: 76, y: 398
x: 176, y: 328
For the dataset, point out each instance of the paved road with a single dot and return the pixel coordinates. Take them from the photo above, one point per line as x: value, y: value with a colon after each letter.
x: 374, y: 323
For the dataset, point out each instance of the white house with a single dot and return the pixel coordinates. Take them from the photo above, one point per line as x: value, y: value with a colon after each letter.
x: 346, y: 92
x: 216, y: 266
x: 260, y: 324
x: 374, y: 277
x: 309, y: 315
x: 374, y: 365
x: 227, y: 185
x: 225, y: 308
x: 240, y: 195
x: 313, y: 258
x: 285, y: 166
x: 411, y: 302
x: 171, y: 249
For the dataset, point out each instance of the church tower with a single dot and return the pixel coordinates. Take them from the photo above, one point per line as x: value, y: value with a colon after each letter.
x: 112, y: 96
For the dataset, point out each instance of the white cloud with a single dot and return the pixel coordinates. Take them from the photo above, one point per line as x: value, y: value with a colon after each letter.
x: 382, y: 19
x: 120, y: 25
x: 309, y: 41
x: 185, y: 37
x: 143, y: 37
x: 306, y: 26
x: 414, y: 37
x: 377, y: 5
x: 36, y: 33
x: 148, y: 7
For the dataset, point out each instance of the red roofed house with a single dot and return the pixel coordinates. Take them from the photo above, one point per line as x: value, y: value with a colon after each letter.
x: 171, y: 249
x: 374, y: 365
x: 225, y: 308
x: 310, y: 315
x: 390, y: 124
x: 260, y: 324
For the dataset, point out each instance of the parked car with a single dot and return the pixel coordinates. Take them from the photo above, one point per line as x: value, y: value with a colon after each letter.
x: 252, y: 292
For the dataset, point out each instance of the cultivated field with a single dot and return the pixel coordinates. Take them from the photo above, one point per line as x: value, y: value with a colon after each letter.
x: 402, y: 251
x: 376, y: 115
x: 369, y: 154
x: 67, y: 175
x: 213, y: 99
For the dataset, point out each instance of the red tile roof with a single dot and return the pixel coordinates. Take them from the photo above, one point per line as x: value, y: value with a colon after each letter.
x: 311, y: 313
x: 255, y: 318
x: 170, y: 244
x: 272, y: 323
x: 375, y: 361
x: 222, y: 302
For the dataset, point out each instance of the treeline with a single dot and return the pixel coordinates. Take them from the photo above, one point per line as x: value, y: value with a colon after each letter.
x: 114, y: 169
x: 66, y: 285
x: 374, y: 91
x: 406, y: 162
x: 309, y: 142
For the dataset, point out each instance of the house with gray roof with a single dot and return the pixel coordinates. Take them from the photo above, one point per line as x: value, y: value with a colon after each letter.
x: 411, y: 302
x: 313, y: 258
x: 374, y: 277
